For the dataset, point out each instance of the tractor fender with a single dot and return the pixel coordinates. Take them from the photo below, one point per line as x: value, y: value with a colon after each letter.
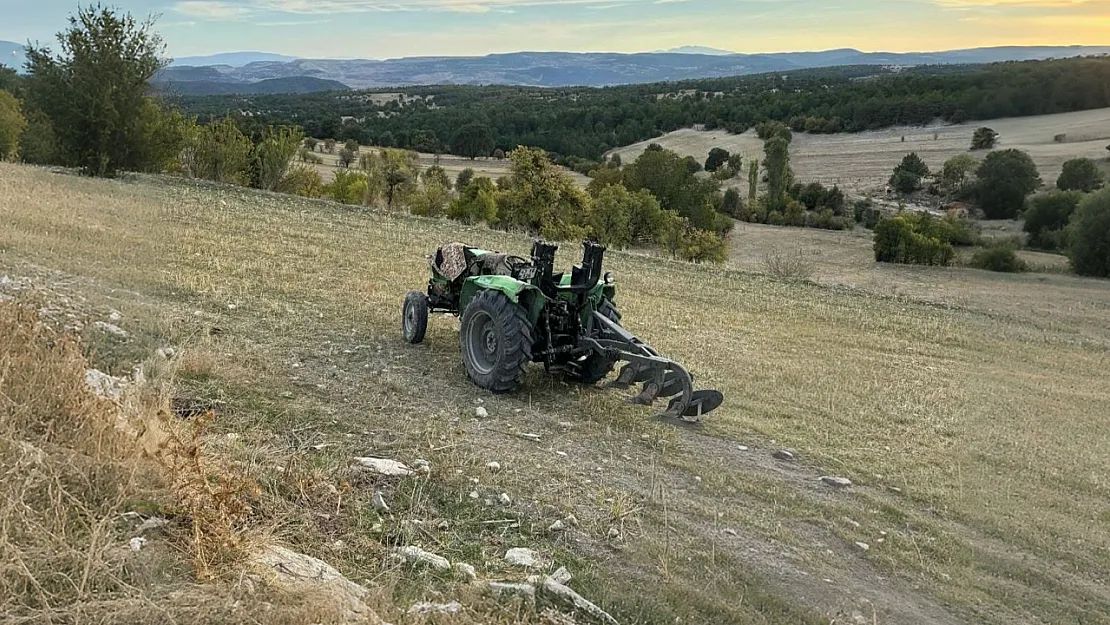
x: 520, y: 293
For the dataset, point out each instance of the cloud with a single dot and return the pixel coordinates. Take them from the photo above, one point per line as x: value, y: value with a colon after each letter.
x: 210, y: 9
x: 233, y: 9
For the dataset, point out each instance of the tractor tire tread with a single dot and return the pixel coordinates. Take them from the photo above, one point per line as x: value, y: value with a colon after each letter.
x: 516, y: 342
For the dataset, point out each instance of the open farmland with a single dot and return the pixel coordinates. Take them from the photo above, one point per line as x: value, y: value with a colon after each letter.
x: 967, y: 408
x: 862, y: 162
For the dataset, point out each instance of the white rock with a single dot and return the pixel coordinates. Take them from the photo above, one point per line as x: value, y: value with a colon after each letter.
x: 378, y: 501
x: 427, y: 607
x: 110, y: 328
x: 851, y: 522
x: 561, y: 453
x: 730, y: 531
x: 153, y: 523
x: 481, y: 412
x: 742, y: 447
x: 474, y: 494
x: 105, y: 385
x: 614, y: 533
x: 415, y: 555
x: 384, y: 466
x: 571, y: 520
x: 522, y: 556
x: 465, y: 571
x: 567, y: 600
x: 493, y: 466
x: 782, y: 454
x: 836, y: 482
x: 863, y: 546
x: 561, y: 575
x: 505, y: 499
x: 557, y: 526
x: 114, y: 315
x: 297, y: 570
x: 421, y: 466
x: 137, y: 543
x: 527, y: 591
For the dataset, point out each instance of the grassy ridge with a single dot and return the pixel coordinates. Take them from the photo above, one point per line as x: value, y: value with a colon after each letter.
x: 952, y: 417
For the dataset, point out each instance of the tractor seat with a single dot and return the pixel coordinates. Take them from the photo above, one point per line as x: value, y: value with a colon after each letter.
x: 451, y: 261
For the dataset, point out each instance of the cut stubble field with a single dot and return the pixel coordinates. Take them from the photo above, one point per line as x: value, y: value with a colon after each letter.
x: 967, y: 408
x: 862, y: 162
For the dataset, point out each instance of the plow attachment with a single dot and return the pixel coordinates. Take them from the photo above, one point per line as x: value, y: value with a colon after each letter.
x: 660, y: 377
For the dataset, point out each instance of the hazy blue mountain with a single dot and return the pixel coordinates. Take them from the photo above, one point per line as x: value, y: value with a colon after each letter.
x: 220, y: 86
x: 234, y: 59
x: 11, y: 54
x: 699, y: 50
x: 556, y: 69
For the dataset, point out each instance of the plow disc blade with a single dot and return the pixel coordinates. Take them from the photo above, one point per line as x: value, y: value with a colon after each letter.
x: 701, y: 402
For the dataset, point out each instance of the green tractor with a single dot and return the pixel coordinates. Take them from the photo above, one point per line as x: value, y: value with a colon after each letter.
x: 516, y: 310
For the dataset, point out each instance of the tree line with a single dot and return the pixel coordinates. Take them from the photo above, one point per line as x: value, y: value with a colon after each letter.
x: 585, y: 123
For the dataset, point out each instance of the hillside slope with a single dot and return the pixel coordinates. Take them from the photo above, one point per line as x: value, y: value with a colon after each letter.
x: 971, y: 428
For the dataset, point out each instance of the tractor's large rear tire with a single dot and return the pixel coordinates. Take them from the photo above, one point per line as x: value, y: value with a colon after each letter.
x: 495, y: 338
x: 596, y: 366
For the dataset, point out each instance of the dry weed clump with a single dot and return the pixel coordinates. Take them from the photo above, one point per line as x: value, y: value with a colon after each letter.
x: 788, y: 266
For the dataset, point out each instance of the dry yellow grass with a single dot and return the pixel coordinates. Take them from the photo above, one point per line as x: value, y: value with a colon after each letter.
x: 967, y: 407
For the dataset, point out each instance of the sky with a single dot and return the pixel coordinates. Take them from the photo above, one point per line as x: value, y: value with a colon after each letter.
x: 395, y: 28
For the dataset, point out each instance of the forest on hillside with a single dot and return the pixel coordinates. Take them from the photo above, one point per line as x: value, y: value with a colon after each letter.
x: 586, y: 122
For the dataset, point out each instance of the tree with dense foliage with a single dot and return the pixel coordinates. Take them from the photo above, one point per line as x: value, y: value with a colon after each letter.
x: 669, y: 178
x: 716, y: 158
x: 1001, y: 258
x: 329, y: 146
x: 95, y: 90
x: 477, y: 202
x: 464, y: 178
x: 908, y: 174
x: 347, y: 187
x: 615, y: 160
x: 12, y: 123
x: 473, y: 140
x: 776, y: 160
x: 911, y: 238
x: 770, y: 129
x: 542, y: 198
x: 38, y: 144
x: 1089, y: 236
x: 399, y: 173
x: 730, y: 205
x: 984, y: 139
x: 499, y: 154
x: 351, y: 145
x: 702, y: 246
x: 433, y: 197
x: 955, y: 174
x: 346, y: 157
x: 611, y: 217
x: 1006, y: 177
x: 1080, y: 174
x: 311, y: 144
x: 437, y: 174
x: 1046, y: 218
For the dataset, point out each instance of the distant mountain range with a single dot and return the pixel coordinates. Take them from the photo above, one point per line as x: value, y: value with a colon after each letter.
x: 11, y: 54
x: 262, y: 72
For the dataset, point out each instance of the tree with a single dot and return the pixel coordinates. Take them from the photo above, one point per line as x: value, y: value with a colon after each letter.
x: 96, y: 89
x: 12, y: 124
x: 1005, y: 178
x: 913, y: 164
x: 1047, y: 218
x: 1089, y: 236
x: 464, y: 178
x: 329, y: 146
x: 499, y: 154
x: 954, y: 175
x: 645, y: 217
x: 38, y: 144
x: 717, y: 157
x: 611, y: 216
x: 753, y: 182
x: 311, y: 144
x: 777, y: 163
x: 542, y: 198
x: 730, y: 205
x: 398, y: 171
x: 984, y: 139
x: 346, y: 157
x: 473, y: 140
x: 905, y: 182
x: 432, y: 199
x: 615, y: 159
x: 1079, y: 174
x: 273, y: 154
x: 771, y: 129
x: 351, y: 145
x: 700, y: 246
x: 436, y: 174
x: 735, y: 164
x: 669, y: 178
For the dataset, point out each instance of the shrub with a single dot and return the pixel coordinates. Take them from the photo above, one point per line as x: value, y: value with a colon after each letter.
x: 1089, y: 236
x: 1006, y: 177
x: 998, y: 258
x: 310, y: 144
x: 329, y: 146
x: 700, y: 246
x: 218, y: 151
x: 1079, y: 174
x: 954, y: 177
x: 351, y: 145
x: 905, y: 238
x: 303, y: 181
x: 38, y: 144
x: 12, y: 123
x: 436, y: 174
x: 865, y: 213
x: 477, y: 202
x: 716, y: 158
x: 730, y: 205
x: 984, y: 139
x: 348, y: 187
x: 1047, y: 217
x: 346, y: 157
x: 464, y: 178
x: 788, y: 266
x: 432, y: 199
x: 274, y: 153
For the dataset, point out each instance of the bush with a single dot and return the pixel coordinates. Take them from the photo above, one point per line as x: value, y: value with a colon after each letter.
x: 477, y: 202
x: 1006, y: 177
x: 274, y: 154
x: 788, y: 266
x: 346, y: 157
x: 905, y: 182
x: 12, y: 123
x: 303, y: 181
x: 432, y: 199
x: 865, y: 213
x: 730, y: 205
x: 464, y: 178
x: 999, y: 258
x: 348, y: 187
x: 1089, y: 236
x: 38, y: 144
x: 218, y: 151
x: 1079, y: 174
x: 1047, y: 217
x: 905, y: 238
x: 716, y: 158
x: 700, y: 246
x: 984, y: 139
x: 954, y: 177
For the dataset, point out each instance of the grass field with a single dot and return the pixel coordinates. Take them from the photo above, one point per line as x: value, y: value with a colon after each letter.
x: 967, y: 408
x: 862, y: 162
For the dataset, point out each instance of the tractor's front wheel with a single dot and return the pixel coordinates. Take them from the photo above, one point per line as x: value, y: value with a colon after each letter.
x: 414, y: 317
x: 495, y: 338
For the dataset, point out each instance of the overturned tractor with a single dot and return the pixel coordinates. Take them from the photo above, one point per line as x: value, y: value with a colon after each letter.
x: 515, y: 311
